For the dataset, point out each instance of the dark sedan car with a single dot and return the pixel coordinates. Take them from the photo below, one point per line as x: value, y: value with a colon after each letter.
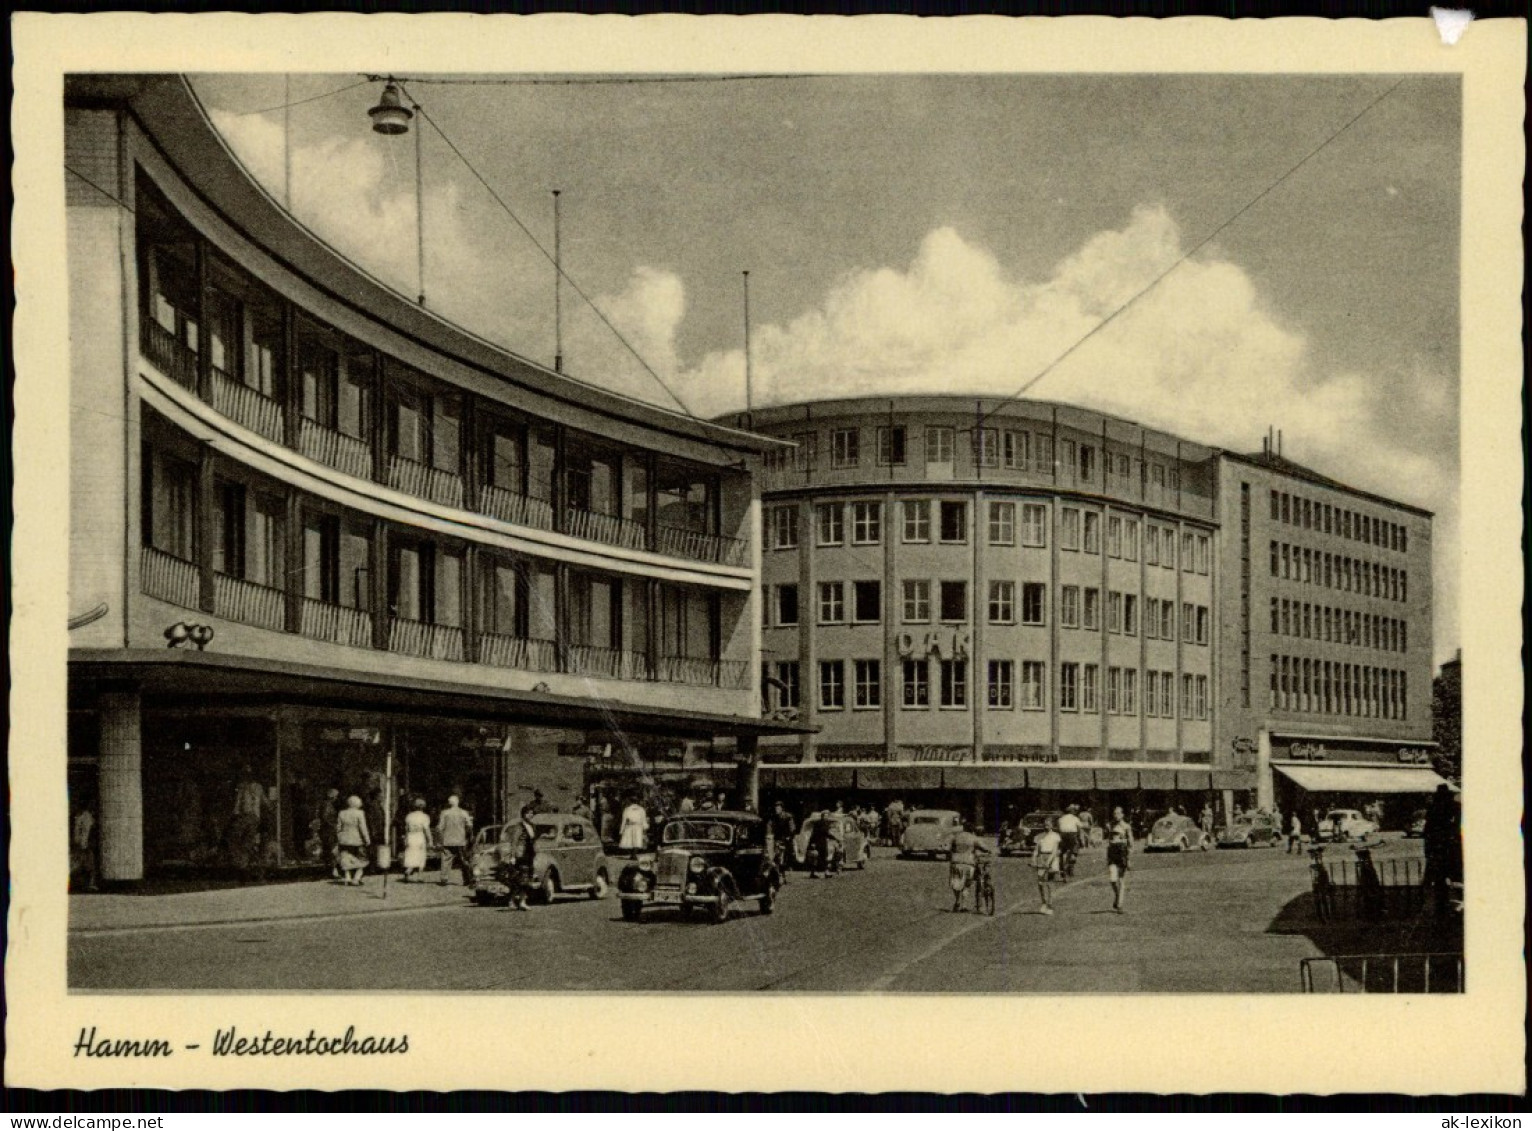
x: 1018, y: 841
x: 710, y: 861
x: 1249, y: 830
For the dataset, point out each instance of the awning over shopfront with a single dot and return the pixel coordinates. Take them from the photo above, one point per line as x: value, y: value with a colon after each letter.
x: 899, y: 777
x: 1193, y: 779
x: 1362, y: 779
x: 808, y: 777
x: 1157, y: 779
x: 1116, y: 779
x: 1060, y: 777
x: 985, y: 777
x: 1233, y: 779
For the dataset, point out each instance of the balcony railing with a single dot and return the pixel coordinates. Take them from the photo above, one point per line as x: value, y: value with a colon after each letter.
x: 425, y: 481
x: 517, y: 652
x: 168, y: 353
x: 335, y: 449
x: 732, y: 675
x: 169, y: 578
x: 321, y: 620
x: 605, y: 528
x: 247, y: 406
x: 607, y: 663
x: 522, y: 510
x: 249, y: 602
x: 419, y: 638
x: 680, y: 543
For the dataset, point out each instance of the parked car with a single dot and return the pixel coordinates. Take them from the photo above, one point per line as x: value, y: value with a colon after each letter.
x: 1417, y: 825
x: 1345, y: 824
x: 1249, y: 830
x: 929, y: 832
x: 1176, y: 832
x: 1018, y: 841
x: 848, y: 842
x: 569, y: 859
x: 711, y: 861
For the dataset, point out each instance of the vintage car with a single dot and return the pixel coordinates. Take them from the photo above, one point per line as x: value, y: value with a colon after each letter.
x: 1018, y: 840
x: 1417, y: 825
x: 1176, y: 832
x: 1249, y: 830
x: 569, y: 859
x: 849, y: 845
x: 929, y: 832
x: 711, y: 861
x: 1345, y: 824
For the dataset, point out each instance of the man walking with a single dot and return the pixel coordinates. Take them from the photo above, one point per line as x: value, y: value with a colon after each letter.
x: 1295, y: 834
x: 960, y: 873
x: 453, y: 827
x: 783, y: 829
x: 1069, y: 841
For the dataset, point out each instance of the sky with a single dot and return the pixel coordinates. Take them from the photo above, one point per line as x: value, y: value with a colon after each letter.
x: 1218, y: 254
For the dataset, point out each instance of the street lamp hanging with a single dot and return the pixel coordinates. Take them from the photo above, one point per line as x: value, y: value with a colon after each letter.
x: 390, y: 115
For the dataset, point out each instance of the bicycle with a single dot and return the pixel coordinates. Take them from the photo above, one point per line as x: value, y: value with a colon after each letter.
x: 983, y: 886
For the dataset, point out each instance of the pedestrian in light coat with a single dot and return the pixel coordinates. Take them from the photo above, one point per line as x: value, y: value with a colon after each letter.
x: 454, y: 828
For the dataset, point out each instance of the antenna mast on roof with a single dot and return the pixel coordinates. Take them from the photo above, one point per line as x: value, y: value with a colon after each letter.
x: 558, y: 290
x: 749, y: 400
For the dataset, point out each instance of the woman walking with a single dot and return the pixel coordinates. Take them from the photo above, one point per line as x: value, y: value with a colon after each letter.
x: 352, y: 840
x: 1045, y: 858
x: 1119, y: 842
x: 417, y: 839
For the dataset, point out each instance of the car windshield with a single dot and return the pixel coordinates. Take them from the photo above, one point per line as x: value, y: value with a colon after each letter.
x: 1165, y: 823
x: 713, y: 832
x: 1242, y: 823
x: 927, y: 821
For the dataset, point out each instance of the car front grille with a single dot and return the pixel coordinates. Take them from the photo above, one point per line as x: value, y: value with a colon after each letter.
x: 670, y: 871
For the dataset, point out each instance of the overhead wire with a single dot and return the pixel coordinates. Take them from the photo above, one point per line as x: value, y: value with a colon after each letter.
x: 1207, y: 239
x: 546, y: 254
x: 298, y: 102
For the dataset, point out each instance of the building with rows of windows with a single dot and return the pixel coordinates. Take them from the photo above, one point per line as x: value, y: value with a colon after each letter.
x: 323, y: 539
x: 987, y: 603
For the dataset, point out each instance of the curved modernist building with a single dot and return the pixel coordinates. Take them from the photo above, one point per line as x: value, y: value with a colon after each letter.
x: 982, y: 603
x: 322, y: 539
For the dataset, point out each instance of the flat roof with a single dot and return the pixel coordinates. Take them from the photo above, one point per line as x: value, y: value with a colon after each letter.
x: 1281, y: 465
x: 174, y: 672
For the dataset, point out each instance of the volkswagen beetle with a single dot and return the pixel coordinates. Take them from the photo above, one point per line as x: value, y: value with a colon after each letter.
x: 929, y: 832
x: 1176, y: 832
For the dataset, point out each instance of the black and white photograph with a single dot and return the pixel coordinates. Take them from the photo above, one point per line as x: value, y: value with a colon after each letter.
x: 770, y: 531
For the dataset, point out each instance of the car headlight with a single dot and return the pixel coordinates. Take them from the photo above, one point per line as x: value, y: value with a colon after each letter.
x: 691, y: 889
x: 696, y: 866
x: 640, y: 883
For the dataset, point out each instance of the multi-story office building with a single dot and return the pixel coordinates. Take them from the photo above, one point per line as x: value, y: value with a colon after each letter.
x: 384, y: 555
x: 1019, y: 603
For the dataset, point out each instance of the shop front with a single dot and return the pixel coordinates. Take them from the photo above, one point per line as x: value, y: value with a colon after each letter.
x: 1311, y: 775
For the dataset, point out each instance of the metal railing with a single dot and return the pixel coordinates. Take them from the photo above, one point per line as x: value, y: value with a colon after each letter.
x: 512, y: 507
x: 682, y: 543
x: 249, y: 602
x: 169, y: 354
x: 1373, y: 889
x: 1382, y: 974
x: 335, y: 623
x: 335, y: 449
x: 425, y: 481
x: 247, y: 406
x: 518, y: 652
x: 607, y: 529
x: 169, y: 578
x: 607, y: 663
x: 733, y: 675
x: 420, y: 638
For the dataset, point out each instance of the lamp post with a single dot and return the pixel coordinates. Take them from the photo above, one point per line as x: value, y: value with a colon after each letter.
x: 391, y: 118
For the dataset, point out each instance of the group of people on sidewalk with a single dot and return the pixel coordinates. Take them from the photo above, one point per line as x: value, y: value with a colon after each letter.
x: 451, y: 834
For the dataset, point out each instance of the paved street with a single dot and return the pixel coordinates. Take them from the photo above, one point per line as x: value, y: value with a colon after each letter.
x: 1220, y: 921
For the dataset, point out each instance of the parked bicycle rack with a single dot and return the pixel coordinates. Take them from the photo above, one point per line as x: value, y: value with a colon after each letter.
x: 1383, y: 974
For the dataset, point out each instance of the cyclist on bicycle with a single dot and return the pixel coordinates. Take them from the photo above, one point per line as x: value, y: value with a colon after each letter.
x: 1069, y: 841
x: 960, y: 874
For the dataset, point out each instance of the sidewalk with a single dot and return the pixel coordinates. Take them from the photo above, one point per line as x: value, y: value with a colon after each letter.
x: 255, y: 903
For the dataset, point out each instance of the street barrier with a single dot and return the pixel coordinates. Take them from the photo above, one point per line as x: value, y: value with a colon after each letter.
x: 1382, y: 974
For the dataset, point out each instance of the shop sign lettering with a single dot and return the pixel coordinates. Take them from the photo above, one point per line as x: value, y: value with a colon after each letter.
x: 1415, y: 756
x: 370, y: 735
x: 1308, y: 752
x: 937, y: 753
x: 1244, y: 751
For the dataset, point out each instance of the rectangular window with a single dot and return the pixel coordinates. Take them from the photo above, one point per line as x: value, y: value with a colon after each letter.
x: 1002, y: 602
x: 1000, y: 685
x: 869, y: 683
x: 787, y: 677
x: 1287, y: 511
x: 1092, y: 532
x: 1151, y: 544
x: 1017, y: 451
x: 1069, y: 606
x: 1034, y: 596
x: 954, y: 602
x: 787, y: 605
x: 1091, y: 611
x: 1042, y: 459
x: 917, y: 520
x: 832, y: 602
x: 1130, y: 539
x: 1002, y: 524
x: 830, y: 520
x: 1205, y: 553
x: 1276, y: 615
x: 1202, y: 696
x: 1188, y: 696
x: 1129, y: 614
x: 986, y: 447
x: 891, y: 445
x: 867, y: 601
x: 917, y: 601
x: 938, y: 444
x: 1167, y: 620
x: 1129, y: 691
x: 954, y: 521
x: 1034, y: 524
x: 1087, y: 464
x: 1276, y: 507
x: 954, y: 683
x: 832, y: 685
x: 1168, y: 548
x: 1152, y: 694
x: 1202, y: 624
x: 917, y: 683
x: 1069, y: 687
x: 866, y: 523
x: 1189, y: 621
x: 845, y: 447
x: 807, y: 455
x: 784, y: 528
x: 1114, y: 611
x: 1069, y: 528
x: 1151, y: 618
x: 1088, y: 683
x: 1032, y: 691
x: 1188, y: 553
x: 1114, y: 691
x: 1114, y: 536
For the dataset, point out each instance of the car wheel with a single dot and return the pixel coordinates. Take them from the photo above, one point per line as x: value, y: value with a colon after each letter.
x: 721, y: 908
x: 769, y: 899
x: 602, y: 885
x: 1183, y: 845
x: 631, y: 910
x: 549, y: 888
